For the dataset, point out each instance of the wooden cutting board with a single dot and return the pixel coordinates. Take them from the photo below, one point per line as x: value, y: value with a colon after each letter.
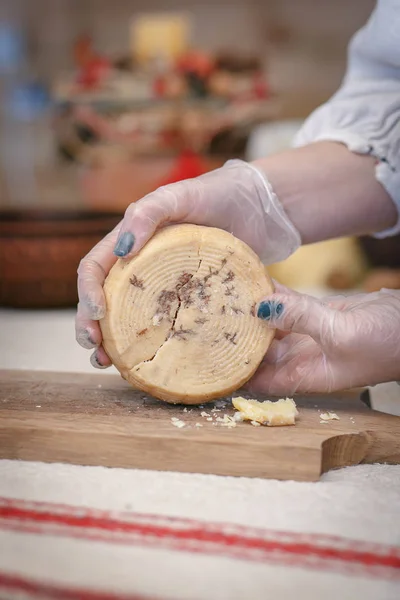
x: 100, y: 420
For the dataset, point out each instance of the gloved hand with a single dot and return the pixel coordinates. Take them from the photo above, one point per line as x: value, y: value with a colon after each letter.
x: 334, y: 344
x: 236, y: 197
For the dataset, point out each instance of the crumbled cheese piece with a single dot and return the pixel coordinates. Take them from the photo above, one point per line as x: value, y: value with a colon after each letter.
x: 255, y: 423
x: 226, y: 421
x: 198, y: 425
x: 209, y: 419
x: 205, y: 414
x: 185, y: 410
x: 238, y: 417
x: 329, y: 416
x: 177, y: 422
x: 273, y: 414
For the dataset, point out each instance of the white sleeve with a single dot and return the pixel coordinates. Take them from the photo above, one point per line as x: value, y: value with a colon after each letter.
x: 365, y: 112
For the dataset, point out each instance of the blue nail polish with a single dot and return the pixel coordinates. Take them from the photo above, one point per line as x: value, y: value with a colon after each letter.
x: 94, y: 360
x: 84, y: 339
x: 269, y: 310
x: 124, y: 244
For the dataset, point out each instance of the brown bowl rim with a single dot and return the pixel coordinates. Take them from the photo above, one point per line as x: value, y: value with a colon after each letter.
x: 48, y: 215
x: 33, y: 223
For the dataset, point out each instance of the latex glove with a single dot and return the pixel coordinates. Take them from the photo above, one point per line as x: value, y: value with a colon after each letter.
x: 334, y: 344
x: 236, y: 197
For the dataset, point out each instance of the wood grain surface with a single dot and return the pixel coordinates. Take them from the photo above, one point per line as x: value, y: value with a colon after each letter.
x: 101, y: 420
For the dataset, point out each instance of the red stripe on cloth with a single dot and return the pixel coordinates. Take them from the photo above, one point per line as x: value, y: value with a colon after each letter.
x: 12, y: 584
x: 310, y: 551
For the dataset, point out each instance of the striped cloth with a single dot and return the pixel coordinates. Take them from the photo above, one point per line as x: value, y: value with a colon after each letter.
x: 90, y: 533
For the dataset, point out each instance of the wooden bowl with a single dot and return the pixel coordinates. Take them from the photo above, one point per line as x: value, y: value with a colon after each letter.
x: 40, y: 252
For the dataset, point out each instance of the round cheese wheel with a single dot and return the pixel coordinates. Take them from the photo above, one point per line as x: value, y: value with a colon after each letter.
x: 180, y: 321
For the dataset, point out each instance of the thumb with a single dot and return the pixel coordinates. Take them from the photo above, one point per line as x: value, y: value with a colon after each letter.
x: 298, y: 313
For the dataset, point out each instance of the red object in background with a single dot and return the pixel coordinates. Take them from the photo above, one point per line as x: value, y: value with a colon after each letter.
x: 187, y: 166
x: 83, y: 50
x: 261, y: 89
x: 195, y: 62
x: 94, y: 72
x: 159, y: 86
x: 92, y: 68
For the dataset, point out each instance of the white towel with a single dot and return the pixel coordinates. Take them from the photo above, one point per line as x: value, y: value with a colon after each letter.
x: 92, y: 532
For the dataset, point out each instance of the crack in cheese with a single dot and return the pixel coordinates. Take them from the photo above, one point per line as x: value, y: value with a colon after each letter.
x: 274, y: 414
x: 180, y: 321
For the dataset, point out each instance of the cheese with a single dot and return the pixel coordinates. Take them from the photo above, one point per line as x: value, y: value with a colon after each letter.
x: 273, y: 414
x: 329, y: 416
x: 180, y: 321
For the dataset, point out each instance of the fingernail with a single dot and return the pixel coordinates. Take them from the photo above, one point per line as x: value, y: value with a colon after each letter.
x: 269, y: 310
x: 124, y: 244
x: 84, y: 339
x: 94, y: 361
x: 95, y: 311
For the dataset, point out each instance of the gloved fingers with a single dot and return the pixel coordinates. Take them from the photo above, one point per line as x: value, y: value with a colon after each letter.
x: 345, y: 303
x: 298, y: 313
x: 87, y: 331
x: 235, y: 197
x: 279, y: 374
x: 276, y: 359
x: 170, y: 204
x: 92, y: 271
x: 279, y: 335
x: 339, y: 302
x: 99, y: 359
x: 296, y: 364
x: 279, y: 348
x: 280, y: 288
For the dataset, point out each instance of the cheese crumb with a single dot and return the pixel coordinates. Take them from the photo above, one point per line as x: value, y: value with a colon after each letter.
x: 238, y: 417
x: 273, y: 414
x: 329, y: 416
x: 177, y: 422
x: 255, y: 423
x: 204, y: 414
x: 226, y: 421
x: 198, y: 425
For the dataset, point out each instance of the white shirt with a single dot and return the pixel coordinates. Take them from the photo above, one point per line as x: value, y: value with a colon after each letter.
x: 364, y: 113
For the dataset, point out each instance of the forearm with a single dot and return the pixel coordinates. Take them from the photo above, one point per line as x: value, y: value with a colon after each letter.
x: 328, y: 191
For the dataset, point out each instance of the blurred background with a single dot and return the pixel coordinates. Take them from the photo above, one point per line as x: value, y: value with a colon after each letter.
x: 101, y: 102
